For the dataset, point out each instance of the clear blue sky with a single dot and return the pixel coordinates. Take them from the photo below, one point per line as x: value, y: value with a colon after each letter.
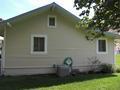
x: 11, y: 8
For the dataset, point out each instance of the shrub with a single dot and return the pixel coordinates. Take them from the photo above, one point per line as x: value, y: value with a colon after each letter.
x: 117, y: 69
x: 106, y: 68
x: 94, y: 64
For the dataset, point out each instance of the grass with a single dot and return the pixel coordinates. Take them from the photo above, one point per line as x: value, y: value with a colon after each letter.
x: 51, y: 82
x: 117, y: 58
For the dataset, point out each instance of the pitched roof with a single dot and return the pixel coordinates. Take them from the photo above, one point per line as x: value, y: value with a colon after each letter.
x: 43, y: 9
x: 49, y: 7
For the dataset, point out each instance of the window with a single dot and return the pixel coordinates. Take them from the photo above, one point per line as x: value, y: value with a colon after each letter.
x: 39, y: 44
x: 51, y: 21
x: 102, y: 46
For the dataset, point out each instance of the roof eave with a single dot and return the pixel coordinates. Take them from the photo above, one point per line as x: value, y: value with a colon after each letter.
x: 112, y: 35
x: 40, y: 10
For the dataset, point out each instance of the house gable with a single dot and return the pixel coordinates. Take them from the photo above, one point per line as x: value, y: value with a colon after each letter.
x: 52, y: 7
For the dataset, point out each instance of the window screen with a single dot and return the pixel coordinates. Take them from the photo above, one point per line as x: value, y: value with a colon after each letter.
x: 51, y: 21
x: 102, y: 45
x: 39, y: 44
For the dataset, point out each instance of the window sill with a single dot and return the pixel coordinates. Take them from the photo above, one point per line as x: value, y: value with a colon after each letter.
x: 38, y: 53
x: 102, y: 52
x: 51, y: 26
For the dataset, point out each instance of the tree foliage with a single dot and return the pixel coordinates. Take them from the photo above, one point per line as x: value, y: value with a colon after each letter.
x: 106, y: 13
x: 90, y: 32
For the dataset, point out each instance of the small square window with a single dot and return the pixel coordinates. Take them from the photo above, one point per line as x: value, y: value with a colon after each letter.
x: 51, y: 21
x: 102, y: 46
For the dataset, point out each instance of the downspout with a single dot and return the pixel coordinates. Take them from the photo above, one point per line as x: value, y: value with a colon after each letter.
x: 3, y: 53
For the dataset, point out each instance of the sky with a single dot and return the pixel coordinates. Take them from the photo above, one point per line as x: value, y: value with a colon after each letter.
x: 11, y: 8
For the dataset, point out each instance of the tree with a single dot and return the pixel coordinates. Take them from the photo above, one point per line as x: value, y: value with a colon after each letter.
x: 90, y: 32
x: 106, y: 13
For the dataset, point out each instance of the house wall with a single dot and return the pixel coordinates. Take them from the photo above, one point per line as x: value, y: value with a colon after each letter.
x: 62, y: 41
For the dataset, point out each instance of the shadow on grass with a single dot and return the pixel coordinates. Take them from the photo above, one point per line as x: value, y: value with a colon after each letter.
x: 39, y: 81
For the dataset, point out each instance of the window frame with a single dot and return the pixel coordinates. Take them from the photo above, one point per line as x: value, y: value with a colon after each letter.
x: 97, y: 49
x: 32, y: 44
x: 52, y: 16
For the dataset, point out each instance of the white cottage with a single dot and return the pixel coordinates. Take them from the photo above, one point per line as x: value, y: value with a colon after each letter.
x: 36, y: 40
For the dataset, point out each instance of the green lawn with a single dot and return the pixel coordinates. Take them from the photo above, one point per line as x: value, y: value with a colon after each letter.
x: 51, y: 82
x: 117, y: 58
